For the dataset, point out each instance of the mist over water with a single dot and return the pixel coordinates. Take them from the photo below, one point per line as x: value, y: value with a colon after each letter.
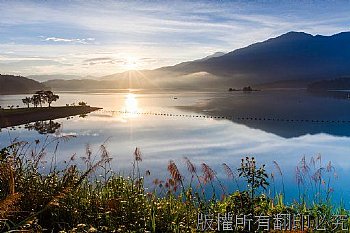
x: 162, y: 137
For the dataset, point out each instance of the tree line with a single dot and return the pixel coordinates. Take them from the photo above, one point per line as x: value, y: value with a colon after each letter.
x: 40, y: 98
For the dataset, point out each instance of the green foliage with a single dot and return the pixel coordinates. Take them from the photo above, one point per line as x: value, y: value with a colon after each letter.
x: 95, y: 199
x: 255, y: 177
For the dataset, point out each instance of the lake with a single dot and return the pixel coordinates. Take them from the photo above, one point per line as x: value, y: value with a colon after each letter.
x: 212, y: 128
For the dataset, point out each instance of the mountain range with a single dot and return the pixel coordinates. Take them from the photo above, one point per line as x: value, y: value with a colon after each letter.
x: 10, y: 84
x: 292, y: 56
x: 294, y: 59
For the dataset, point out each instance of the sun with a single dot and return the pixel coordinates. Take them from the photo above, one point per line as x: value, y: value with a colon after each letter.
x: 131, y: 63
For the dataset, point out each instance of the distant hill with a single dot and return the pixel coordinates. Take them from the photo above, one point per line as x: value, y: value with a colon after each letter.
x: 43, y: 78
x: 292, y: 56
x: 145, y: 79
x: 130, y: 79
x: 294, y: 59
x: 287, y: 84
x: 217, y: 54
x: 10, y: 84
x: 333, y: 84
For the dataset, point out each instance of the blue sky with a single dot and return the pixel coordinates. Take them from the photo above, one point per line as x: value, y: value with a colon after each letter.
x: 104, y: 37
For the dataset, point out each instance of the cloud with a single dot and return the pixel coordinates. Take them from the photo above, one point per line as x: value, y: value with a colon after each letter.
x: 102, y: 61
x: 74, y: 40
x: 166, y: 32
x: 99, y: 59
x: 122, y: 60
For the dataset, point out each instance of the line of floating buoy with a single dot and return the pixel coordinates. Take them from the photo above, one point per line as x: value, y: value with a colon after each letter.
x: 227, y: 117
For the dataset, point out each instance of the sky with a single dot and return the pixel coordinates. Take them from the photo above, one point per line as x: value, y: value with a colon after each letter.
x: 97, y: 38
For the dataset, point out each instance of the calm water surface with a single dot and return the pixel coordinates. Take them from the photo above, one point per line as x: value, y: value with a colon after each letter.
x: 210, y: 140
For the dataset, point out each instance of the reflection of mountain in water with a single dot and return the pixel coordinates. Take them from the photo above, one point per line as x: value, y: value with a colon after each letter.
x: 44, y: 127
x: 296, y: 129
x: 284, y: 113
x: 338, y: 94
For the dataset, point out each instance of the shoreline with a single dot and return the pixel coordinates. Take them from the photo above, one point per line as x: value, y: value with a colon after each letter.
x: 20, y: 116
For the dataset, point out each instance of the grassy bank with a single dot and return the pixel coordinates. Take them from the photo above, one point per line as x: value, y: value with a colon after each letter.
x: 95, y: 199
x: 20, y: 116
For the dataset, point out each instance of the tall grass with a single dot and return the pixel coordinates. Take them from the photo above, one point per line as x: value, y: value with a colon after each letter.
x: 95, y: 199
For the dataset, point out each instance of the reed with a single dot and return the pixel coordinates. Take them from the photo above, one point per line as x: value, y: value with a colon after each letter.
x: 93, y: 198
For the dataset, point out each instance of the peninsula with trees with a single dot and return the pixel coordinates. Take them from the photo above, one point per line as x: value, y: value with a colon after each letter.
x: 38, y: 108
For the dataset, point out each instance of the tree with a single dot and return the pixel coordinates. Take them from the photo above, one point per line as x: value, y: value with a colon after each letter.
x: 82, y: 103
x: 247, y: 89
x: 27, y: 101
x: 50, y: 97
x: 44, y: 127
x: 41, y: 97
x: 35, y: 100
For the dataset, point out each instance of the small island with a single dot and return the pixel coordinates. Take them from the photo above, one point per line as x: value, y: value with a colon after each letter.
x: 37, y: 112
x: 244, y: 89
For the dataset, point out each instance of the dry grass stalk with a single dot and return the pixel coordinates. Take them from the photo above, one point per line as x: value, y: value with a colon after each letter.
x: 174, y: 171
x: 190, y: 166
x: 64, y: 191
x: 9, y: 204
x: 208, y: 173
x: 104, y: 152
x: 278, y: 168
x: 137, y: 154
x: 7, y: 176
x: 228, y: 171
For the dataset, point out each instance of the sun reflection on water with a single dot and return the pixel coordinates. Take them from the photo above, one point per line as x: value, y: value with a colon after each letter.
x: 131, y: 105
